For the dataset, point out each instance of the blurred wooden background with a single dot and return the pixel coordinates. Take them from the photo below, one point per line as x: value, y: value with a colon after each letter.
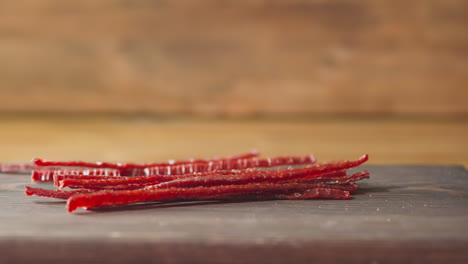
x: 235, y: 58
x: 103, y: 80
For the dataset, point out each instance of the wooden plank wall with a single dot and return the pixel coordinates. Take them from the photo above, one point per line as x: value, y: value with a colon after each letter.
x: 238, y: 57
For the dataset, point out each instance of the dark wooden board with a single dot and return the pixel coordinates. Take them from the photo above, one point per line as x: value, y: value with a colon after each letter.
x: 402, y: 214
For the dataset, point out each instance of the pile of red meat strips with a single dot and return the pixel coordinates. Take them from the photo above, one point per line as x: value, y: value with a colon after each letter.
x: 242, y: 177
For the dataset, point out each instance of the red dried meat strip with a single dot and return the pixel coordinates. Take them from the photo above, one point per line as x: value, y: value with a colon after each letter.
x: 16, y: 167
x: 112, y: 198
x: 132, y: 183
x: 262, y: 176
x: 213, y: 165
x: 43, y: 163
x: 192, y: 169
x: 73, y: 181
x: 58, y: 178
x: 48, y: 175
x: 118, y: 180
x: 59, y: 194
x: 327, y: 180
x: 230, y: 165
x: 339, y: 179
x: 115, y: 169
x: 105, y: 184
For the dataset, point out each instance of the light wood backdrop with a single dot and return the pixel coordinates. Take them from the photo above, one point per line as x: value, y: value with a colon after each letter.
x: 239, y: 57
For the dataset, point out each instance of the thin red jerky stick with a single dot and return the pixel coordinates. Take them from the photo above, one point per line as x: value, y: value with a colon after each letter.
x: 132, y: 183
x: 192, y: 168
x: 58, y: 178
x: 229, y: 165
x: 96, y: 182
x: 73, y: 181
x: 16, y: 167
x: 53, y: 193
x: 112, y: 198
x: 100, y: 183
x: 339, y: 179
x: 118, y: 180
x: 262, y: 176
x: 199, y: 166
x: 59, y: 194
x: 48, y: 175
x: 212, y: 165
x: 126, y: 169
x: 43, y: 163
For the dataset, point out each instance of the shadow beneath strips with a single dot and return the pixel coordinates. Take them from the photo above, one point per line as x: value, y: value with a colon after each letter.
x: 149, y: 206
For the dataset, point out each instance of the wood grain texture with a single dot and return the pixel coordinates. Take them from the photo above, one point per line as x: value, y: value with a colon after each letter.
x: 402, y: 214
x: 139, y: 139
x: 238, y: 57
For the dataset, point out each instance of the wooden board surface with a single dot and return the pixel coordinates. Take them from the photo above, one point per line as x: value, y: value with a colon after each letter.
x: 239, y: 57
x: 402, y: 214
